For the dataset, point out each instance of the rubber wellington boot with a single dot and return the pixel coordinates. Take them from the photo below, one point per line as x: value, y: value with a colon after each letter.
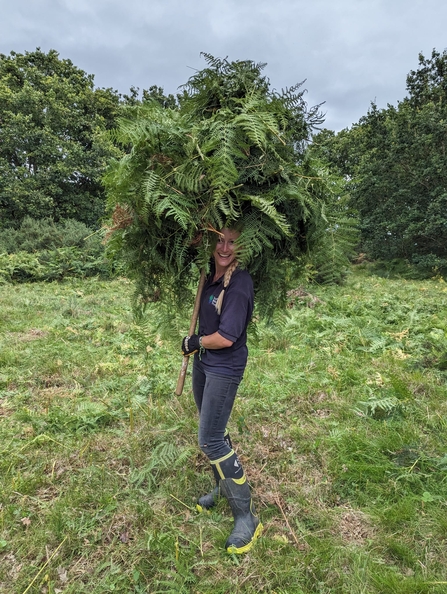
x: 247, y: 527
x: 209, y: 500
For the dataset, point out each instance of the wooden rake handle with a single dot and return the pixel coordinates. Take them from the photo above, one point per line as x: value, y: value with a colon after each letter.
x: 192, y: 329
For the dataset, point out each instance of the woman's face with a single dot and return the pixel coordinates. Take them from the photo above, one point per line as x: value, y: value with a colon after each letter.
x: 225, y: 252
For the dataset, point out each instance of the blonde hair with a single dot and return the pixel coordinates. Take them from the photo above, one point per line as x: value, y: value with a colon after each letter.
x: 227, y: 277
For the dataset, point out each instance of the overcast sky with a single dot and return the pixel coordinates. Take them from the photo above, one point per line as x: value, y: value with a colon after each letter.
x: 350, y: 52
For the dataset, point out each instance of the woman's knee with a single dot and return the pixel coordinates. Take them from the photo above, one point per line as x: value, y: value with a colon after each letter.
x: 204, y: 443
x: 205, y: 449
x: 213, y: 448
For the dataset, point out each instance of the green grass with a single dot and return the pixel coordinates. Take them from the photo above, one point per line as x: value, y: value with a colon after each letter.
x: 341, y: 423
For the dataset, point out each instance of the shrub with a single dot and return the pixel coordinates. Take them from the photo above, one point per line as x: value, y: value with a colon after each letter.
x: 45, y: 250
x: 44, y: 234
x: 49, y: 265
x: 430, y: 265
x: 20, y: 267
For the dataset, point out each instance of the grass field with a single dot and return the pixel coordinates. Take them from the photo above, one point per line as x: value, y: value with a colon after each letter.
x: 341, y: 423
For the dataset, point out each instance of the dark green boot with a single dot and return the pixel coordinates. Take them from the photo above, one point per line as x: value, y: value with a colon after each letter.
x: 247, y: 527
x: 209, y: 500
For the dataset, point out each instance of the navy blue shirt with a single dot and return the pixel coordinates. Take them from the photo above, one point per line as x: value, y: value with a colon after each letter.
x: 237, y: 309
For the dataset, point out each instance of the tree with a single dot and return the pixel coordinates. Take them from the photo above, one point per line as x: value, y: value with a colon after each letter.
x: 53, y: 150
x: 428, y: 84
x: 401, y: 184
x: 395, y: 164
x: 157, y: 93
x: 232, y: 153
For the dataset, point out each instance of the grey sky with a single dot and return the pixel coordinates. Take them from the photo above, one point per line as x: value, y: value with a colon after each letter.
x: 351, y: 52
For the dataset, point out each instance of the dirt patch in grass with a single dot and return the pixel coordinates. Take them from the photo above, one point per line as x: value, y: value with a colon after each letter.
x: 5, y: 410
x: 57, y: 391
x: 120, y: 528
x: 43, y: 382
x: 48, y: 493
x: 31, y: 334
x: 320, y: 397
x: 274, y: 440
x: 354, y: 527
x: 322, y: 413
x: 14, y: 567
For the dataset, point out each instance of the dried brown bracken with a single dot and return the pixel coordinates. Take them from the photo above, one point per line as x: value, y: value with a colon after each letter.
x: 122, y: 217
x: 160, y: 158
x: 197, y: 239
x: 302, y: 297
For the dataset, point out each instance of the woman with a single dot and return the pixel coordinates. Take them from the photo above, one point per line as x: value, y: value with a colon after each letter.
x: 221, y: 352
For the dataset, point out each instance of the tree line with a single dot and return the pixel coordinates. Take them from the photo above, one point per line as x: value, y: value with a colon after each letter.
x: 55, y: 145
x: 58, y: 140
x: 394, y: 162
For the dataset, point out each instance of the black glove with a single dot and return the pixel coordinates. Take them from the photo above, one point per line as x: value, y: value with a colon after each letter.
x: 191, y: 345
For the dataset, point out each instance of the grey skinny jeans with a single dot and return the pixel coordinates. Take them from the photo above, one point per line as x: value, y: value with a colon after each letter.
x: 214, y: 395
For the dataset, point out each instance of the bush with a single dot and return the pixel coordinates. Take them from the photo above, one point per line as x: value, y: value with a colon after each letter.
x: 44, y: 234
x: 45, y: 250
x: 49, y: 265
x: 419, y: 268
x: 20, y: 267
x: 430, y: 265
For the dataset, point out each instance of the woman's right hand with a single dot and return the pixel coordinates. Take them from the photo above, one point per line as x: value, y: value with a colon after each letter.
x: 190, y: 345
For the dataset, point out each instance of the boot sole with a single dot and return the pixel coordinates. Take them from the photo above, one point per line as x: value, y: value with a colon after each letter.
x: 233, y: 550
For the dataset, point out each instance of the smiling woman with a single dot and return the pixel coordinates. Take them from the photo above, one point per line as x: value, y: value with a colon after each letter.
x: 225, y: 252
x: 224, y: 175
x: 220, y: 350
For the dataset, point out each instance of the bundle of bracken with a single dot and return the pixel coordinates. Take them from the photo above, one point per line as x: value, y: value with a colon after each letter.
x: 230, y: 153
